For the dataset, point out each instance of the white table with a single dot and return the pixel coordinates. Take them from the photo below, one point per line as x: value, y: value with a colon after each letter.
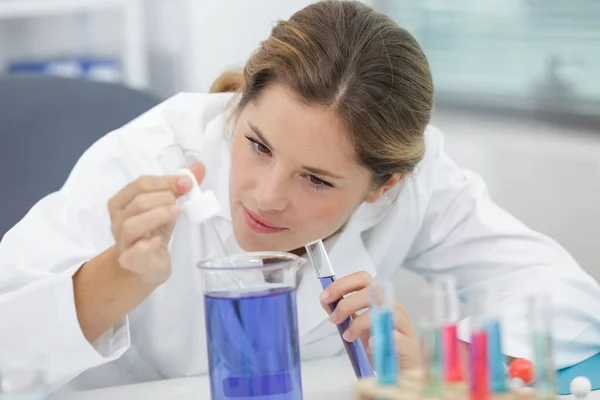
x: 323, y: 379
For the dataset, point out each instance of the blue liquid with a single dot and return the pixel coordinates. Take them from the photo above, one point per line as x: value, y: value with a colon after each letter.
x: 496, y: 358
x: 253, y: 346
x: 356, y: 351
x: 386, y: 363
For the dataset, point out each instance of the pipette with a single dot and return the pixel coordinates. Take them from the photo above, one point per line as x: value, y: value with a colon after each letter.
x: 382, y: 329
x: 356, y: 352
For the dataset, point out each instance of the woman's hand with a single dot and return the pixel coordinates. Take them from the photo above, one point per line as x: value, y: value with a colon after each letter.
x: 356, y: 287
x: 143, y: 216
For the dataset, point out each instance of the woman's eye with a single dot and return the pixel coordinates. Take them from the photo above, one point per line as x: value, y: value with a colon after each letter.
x: 318, y: 183
x: 257, y: 146
x: 261, y: 147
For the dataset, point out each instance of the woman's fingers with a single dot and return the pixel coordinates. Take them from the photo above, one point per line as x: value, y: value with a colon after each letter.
x: 343, y: 286
x: 139, y: 226
x: 402, y: 322
x: 141, y: 260
x: 177, y: 185
x: 350, y: 305
x: 198, y: 170
x: 362, y: 323
x: 148, y: 201
x: 359, y: 325
x: 358, y: 301
x: 407, y: 350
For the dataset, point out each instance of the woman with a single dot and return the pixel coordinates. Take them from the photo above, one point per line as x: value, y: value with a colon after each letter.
x: 329, y: 138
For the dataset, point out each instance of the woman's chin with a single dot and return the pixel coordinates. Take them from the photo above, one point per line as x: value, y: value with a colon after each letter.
x: 251, y: 243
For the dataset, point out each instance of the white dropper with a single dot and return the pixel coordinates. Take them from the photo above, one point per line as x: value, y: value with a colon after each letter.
x: 200, y: 205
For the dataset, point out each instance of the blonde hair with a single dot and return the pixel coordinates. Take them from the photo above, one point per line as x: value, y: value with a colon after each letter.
x: 346, y: 56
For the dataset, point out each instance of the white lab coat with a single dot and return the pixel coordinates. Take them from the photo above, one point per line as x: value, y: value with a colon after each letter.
x: 442, y: 221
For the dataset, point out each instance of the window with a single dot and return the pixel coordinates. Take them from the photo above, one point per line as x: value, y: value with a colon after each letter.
x: 526, y: 55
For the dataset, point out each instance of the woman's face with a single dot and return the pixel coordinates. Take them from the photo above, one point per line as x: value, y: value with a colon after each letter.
x: 293, y: 178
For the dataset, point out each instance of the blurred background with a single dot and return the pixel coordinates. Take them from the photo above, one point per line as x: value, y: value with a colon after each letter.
x: 517, y: 81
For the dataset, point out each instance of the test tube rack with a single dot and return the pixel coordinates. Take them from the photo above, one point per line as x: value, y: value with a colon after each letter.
x: 410, y: 387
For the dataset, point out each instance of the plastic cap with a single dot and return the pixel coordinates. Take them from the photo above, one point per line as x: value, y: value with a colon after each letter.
x: 200, y: 206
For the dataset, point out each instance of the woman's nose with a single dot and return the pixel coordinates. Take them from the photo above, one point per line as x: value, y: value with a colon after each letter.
x: 270, y: 193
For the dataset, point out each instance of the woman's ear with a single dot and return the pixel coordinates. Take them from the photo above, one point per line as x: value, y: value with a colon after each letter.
x: 383, y: 189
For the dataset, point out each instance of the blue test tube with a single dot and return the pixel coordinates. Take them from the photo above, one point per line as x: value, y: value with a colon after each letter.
x: 497, y: 371
x: 382, y: 331
x: 356, y: 352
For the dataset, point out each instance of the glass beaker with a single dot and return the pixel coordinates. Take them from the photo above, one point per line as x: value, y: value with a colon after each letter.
x: 252, y: 326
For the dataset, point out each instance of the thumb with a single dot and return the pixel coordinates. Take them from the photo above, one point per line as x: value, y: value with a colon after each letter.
x: 198, y: 170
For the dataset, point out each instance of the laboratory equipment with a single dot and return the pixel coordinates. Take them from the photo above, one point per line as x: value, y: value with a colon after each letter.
x: 479, y: 379
x: 581, y: 387
x: 485, y: 311
x: 356, y: 352
x: 540, y: 317
x: 382, y: 329
x: 521, y: 369
x: 497, y: 370
x: 588, y: 368
x: 252, y: 327
x: 447, y: 311
x: 430, y: 324
x: 516, y: 384
x: 198, y: 206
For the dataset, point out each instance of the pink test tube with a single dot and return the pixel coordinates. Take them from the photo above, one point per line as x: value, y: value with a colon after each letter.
x: 446, y: 304
x: 479, y: 380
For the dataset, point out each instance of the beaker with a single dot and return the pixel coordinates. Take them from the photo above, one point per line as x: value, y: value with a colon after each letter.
x: 252, y: 326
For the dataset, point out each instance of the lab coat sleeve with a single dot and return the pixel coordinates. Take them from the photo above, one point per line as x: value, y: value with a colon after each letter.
x: 464, y: 233
x: 38, y: 258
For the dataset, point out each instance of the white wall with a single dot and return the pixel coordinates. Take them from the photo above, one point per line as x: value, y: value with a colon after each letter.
x: 223, y: 37
x: 547, y: 176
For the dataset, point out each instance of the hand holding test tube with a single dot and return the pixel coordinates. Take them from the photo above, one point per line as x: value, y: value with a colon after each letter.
x: 358, y: 357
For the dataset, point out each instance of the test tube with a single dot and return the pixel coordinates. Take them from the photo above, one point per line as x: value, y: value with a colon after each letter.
x: 497, y: 371
x: 446, y: 303
x: 479, y: 379
x: 382, y: 329
x: 317, y: 254
x: 540, y: 317
x: 431, y: 342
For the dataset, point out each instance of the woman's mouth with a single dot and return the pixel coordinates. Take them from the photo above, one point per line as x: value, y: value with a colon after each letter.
x: 259, y: 224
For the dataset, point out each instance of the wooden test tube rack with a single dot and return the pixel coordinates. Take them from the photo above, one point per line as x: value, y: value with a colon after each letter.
x: 410, y: 387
